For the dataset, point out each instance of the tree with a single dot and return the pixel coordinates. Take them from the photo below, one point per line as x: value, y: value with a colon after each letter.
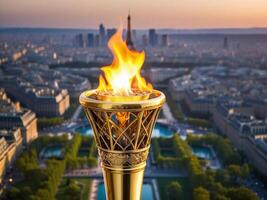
x: 201, y: 193
x: 235, y: 170
x: 174, y: 191
x: 222, y: 176
x: 27, y: 161
x: 36, y: 175
x: 34, y: 197
x: 222, y: 146
x: 12, y: 193
x: 47, y: 122
x: 221, y: 197
x: 72, y: 192
x: 20, y: 164
x: 68, y: 181
x: 199, y: 122
x: 245, y: 171
x: 25, y: 192
x: 217, y: 190
x: 241, y: 193
x: 43, y: 194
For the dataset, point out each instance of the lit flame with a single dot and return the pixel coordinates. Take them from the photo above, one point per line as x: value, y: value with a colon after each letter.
x: 123, y: 76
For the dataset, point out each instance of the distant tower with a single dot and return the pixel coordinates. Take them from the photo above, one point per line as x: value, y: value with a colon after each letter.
x: 144, y: 40
x: 90, y: 40
x: 225, y: 42
x: 102, y: 35
x: 129, y: 41
x: 97, y: 40
x: 80, y: 40
x: 164, y: 40
x: 152, y: 37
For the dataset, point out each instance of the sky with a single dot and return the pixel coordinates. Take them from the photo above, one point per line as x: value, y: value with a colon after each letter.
x: 178, y: 14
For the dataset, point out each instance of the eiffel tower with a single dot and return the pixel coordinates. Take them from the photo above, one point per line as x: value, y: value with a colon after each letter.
x: 129, y: 41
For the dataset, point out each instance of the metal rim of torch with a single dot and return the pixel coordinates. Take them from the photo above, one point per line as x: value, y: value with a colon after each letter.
x: 154, y: 102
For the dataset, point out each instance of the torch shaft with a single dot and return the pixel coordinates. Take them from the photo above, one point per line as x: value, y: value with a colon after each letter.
x: 123, y: 184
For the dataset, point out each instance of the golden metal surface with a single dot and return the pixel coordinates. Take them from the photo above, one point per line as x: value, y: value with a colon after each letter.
x: 123, y: 185
x: 122, y: 131
x: 88, y: 100
x: 137, y: 96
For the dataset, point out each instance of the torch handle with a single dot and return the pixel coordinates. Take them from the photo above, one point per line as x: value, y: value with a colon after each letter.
x: 123, y: 184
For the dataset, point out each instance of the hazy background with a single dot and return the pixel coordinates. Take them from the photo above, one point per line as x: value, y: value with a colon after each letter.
x: 148, y: 13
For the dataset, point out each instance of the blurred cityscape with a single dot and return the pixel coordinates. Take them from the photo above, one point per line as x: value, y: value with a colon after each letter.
x: 210, y: 141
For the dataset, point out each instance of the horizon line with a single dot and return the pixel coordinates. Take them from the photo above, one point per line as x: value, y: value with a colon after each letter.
x: 90, y: 28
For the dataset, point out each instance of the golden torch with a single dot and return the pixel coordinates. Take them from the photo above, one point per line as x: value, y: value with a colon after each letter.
x: 122, y: 112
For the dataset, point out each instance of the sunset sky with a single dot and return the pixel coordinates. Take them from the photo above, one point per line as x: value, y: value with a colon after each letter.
x: 145, y: 13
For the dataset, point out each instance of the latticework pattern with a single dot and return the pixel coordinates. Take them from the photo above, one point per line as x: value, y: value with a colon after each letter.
x: 113, y: 134
x: 123, y: 138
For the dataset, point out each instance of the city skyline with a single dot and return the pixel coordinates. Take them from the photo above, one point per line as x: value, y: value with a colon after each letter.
x: 179, y: 15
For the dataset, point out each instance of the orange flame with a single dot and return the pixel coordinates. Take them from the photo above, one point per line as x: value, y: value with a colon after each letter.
x: 123, y: 76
